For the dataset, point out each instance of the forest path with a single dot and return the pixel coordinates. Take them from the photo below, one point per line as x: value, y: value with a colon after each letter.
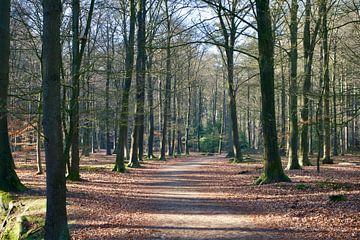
x: 183, y: 203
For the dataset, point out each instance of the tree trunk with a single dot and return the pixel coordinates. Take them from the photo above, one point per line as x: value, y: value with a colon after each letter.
x: 335, y: 131
x: 78, y: 48
x: 166, y: 111
x: 283, y: 108
x: 309, y: 45
x: 232, y: 106
x: 56, y: 226
x: 9, y: 180
x: 150, y: 93
x: 107, y: 94
x: 223, y: 124
x: 327, y: 132
x: 38, y: 139
x: 124, y: 114
x: 273, y: 170
x: 293, y: 162
x: 187, y: 133
x: 138, y: 130
x: 199, y: 120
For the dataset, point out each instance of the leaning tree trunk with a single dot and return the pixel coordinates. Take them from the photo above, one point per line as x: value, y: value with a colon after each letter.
x: 9, y: 181
x: 56, y: 226
x: 273, y: 170
x: 293, y: 162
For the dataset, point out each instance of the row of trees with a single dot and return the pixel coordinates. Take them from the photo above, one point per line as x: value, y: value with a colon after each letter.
x: 131, y: 76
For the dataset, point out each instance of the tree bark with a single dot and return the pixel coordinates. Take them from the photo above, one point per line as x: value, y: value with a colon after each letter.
x: 187, y: 130
x: 335, y: 131
x: 78, y: 48
x: 150, y: 94
x: 293, y: 161
x: 9, y: 180
x: 166, y: 112
x: 327, y: 132
x: 138, y: 131
x: 273, y: 170
x: 56, y: 226
x: 124, y: 114
x: 309, y: 46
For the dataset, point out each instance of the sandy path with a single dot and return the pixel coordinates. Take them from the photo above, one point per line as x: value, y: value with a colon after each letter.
x: 182, y: 205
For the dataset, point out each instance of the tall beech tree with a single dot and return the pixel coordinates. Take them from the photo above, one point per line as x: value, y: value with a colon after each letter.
x: 166, y: 108
x: 78, y: 49
x: 129, y: 39
x: 229, y: 22
x: 309, y: 43
x: 293, y: 162
x: 273, y: 170
x: 56, y: 226
x: 138, y: 129
x: 326, y: 78
x: 9, y: 180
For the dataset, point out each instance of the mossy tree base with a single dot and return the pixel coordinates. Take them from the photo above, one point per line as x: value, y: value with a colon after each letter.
x: 11, y: 183
x: 151, y: 157
x: 74, y: 177
x: 327, y: 160
x: 305, y: 164
x: 294, y: 167
x: 162, y: 158
x: 237, y: 160
x: 268, y: 179
x: 119, y: 168
x: 135, y: 164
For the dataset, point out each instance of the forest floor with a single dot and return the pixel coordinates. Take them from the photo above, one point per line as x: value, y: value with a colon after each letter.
x: 206, y: 197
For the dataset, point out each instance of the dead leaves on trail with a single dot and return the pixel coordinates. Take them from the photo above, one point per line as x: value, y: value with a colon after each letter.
x: 109, y: 205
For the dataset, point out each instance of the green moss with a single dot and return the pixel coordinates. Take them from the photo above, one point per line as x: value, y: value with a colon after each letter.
x: 338, y: 198
x: 302, y: 186
x: 27, y: 221
x: 267, y: 179
x: 333, y: 185
x: 5, y: 199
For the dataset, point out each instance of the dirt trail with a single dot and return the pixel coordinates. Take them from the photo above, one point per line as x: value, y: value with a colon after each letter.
x: 182, y: 205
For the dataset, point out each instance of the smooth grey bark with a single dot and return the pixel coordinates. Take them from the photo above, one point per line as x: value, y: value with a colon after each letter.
x: 327, y: 128
x: 309, y: 42
x: 124, y: 112
x: 166, y: 109
x: 56, y: 227
x: 293, y: 161
x: 138, y: 130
